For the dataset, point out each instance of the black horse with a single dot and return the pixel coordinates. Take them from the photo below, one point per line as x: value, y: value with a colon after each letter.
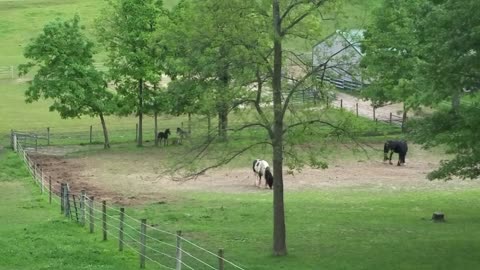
x: 399, y: 147
x: 163, y: 136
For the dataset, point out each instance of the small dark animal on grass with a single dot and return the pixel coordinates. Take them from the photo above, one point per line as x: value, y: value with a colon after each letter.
x: 261, y: 168
x: 399, y: 147
x: 163, y: 136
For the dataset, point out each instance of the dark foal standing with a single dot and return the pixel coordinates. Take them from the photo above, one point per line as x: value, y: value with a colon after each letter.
x: 399, y: 147
x: 163, y: 136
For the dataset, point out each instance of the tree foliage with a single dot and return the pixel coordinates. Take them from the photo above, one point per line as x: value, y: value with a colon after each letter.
x: 129, y: 30
x: 62, y: 58
x: 426, y: 53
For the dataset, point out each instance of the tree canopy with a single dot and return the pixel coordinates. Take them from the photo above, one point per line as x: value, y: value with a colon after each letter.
x: 426, y: 53
x: 62, y: 58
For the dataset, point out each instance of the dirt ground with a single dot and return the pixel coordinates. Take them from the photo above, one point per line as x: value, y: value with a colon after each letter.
x: 133, y: 178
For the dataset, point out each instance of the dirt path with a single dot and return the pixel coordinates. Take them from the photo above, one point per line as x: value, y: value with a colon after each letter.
x: 365, y: 109
x: 134, y: 179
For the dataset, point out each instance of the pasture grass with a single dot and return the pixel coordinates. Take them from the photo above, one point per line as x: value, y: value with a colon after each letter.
x: 332, y: 228
x: 33, y: 234
x: 328, y: 229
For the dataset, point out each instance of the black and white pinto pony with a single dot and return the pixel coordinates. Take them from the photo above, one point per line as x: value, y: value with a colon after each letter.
x: 261, y: 168
x: 163, y: 136
x: 399, y: 147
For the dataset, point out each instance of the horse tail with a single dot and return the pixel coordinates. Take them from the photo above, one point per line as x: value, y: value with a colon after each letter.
x: 269, y: 177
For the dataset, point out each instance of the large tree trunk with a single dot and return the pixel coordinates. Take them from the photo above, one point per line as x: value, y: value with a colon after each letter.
x: 404, y: 118
x: 222, y: 122
x: 140, y: 113
x: 156, y: 127
x: 279, y: 230
x: 106, y: 141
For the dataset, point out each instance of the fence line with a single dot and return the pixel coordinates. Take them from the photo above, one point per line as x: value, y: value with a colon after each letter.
x: 64, y: 199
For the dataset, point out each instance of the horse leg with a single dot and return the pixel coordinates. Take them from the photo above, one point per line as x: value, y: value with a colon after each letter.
x: 390, y: 159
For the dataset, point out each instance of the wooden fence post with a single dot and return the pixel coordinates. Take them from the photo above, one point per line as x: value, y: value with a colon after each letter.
x: 120, y: 230
x: 75, y: 207
x: 62, y: 198
x: 90, y: 214
x: 221, y: 262
x: 390, y: 118
x: 374, y: 117
x: 341, y: 103
x: 356, y: 108
x: 91, y: 131
x: 104, y: 219
x: 48, y: 136
x: 15, y: 143
x: 36, y: 143
x: 178, y: 263
x: 143, y: 240
x: 67, y: 201
x: 82, y: 207
x: 49, y: 189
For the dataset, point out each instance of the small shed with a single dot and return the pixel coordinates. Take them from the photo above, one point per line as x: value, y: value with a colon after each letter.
x: 337, y: 59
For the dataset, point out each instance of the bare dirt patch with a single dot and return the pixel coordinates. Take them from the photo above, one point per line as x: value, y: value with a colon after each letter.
x: 134, y: 178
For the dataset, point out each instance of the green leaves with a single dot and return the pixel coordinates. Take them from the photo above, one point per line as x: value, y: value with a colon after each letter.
x: 66, y: 75
x: 62, y: 57
x: 425, y: 53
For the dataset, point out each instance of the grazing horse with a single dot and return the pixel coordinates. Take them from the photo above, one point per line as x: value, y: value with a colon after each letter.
x: 261, y: 168
x: 399, y: 147
x: 163, y: 136
x: 182, y: 134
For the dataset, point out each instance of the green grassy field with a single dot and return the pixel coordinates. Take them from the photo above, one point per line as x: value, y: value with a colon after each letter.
x: 341, y: 228
x: 33, y: 235
x: 326, y: 229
